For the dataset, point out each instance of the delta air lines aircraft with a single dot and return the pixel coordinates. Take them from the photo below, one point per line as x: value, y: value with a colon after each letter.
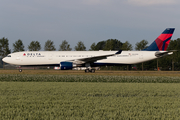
x: 67, y: 60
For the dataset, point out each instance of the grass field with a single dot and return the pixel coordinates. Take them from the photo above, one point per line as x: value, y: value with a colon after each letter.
x: 101, y: 72
x: 63, y: 100
x: 22, y: 97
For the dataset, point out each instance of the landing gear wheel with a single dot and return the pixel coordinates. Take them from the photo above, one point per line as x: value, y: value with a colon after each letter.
x: 87, y: 70
x: 20, y: 70
x: 93, y: 70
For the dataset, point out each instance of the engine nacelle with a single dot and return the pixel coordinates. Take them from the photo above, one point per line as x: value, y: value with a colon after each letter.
x: 66, y: 65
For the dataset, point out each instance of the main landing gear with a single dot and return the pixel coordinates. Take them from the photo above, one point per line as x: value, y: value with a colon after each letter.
x: 90, y: 70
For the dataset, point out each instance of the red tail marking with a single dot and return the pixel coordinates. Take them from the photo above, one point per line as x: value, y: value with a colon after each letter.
x: 160, y: 39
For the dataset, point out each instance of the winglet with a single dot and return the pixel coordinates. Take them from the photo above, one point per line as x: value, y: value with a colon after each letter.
x: 119, y: 52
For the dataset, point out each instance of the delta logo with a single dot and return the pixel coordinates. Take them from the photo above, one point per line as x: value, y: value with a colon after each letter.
x: 32, y: 54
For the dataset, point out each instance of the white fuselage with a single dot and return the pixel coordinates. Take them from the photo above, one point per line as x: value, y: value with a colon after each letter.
x: 55, y: 57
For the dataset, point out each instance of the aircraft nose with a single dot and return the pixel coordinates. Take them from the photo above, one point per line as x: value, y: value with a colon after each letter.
x: 4, y: 59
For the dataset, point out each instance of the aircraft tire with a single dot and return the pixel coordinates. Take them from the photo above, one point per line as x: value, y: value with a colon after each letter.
x: 87, y: 70
x: 93, y: 70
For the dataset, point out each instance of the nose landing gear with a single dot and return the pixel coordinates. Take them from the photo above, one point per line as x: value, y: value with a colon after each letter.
x: 20, y: 70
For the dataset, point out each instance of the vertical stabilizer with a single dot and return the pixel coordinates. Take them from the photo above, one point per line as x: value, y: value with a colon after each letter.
x: 161, y: 43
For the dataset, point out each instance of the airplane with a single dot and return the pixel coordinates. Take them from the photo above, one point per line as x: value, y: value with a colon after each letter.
x: 67, y: 60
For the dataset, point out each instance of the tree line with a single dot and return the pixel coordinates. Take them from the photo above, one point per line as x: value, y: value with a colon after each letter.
x: 110, y: 44
x: 171, y: 62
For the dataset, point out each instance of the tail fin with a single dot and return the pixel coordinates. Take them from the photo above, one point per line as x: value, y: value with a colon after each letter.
x: 161, y: 43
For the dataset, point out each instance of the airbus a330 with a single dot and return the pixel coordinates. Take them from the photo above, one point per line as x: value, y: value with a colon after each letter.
x: 67, y: 60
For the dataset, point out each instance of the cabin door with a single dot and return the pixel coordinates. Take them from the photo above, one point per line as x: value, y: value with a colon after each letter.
x: 50, y: 56
x: 141, y: 56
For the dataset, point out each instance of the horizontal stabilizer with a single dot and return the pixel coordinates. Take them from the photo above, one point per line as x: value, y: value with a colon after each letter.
x: 165, y: 53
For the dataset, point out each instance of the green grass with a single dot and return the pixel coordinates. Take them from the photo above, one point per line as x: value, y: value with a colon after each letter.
x: 88, y: 96
x: 87, y: 78
x: 79, y: 100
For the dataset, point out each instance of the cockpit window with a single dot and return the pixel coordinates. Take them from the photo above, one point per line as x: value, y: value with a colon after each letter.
x: 8, y: 55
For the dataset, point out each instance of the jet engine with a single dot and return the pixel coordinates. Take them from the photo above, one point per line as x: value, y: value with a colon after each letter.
x: 67, y: 65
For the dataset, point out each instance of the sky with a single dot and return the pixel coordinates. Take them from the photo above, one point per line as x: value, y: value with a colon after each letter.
x: 88, y: 21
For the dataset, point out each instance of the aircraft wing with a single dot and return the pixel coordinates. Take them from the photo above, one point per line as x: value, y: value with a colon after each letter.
x: 93, y: 59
